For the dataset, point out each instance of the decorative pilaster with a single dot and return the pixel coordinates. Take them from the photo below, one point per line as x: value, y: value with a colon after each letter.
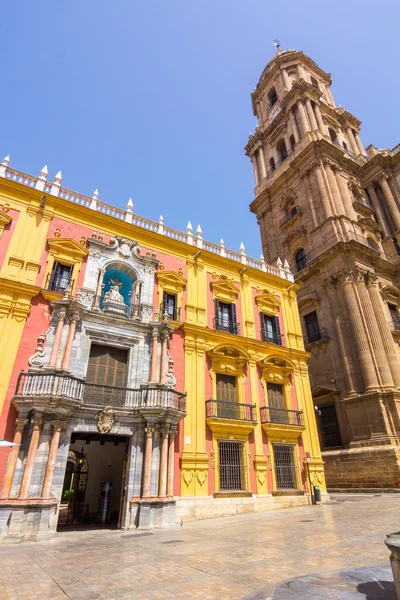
x: 386, y: 335
x: 51, y: 460
x: 293, y: 126
x: 30, y: 460
x: 163, y: 369
x: 334, y: 188
x: 374, y: 335
x: 358, y: 331
x: 255, y: 167
x: 320, y: 121
x: 12, y: 460
x: 99, y: 288
x: 154, y: 352
x: 147, y: 460
x: 303, y: 118
x: 322, y: 191
x: 394, y: 211
x: 345, y: 195
x: 352, y: 141
x: 171, y: 448
x: 70, y: 340
x: 164, y: 431
x: 378, y: 209
x: 57, y: 339
x: 311, y: 116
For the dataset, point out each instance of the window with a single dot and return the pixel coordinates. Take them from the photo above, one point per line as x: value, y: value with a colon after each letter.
x: 314, y: 82
x: 345, y: 146
x: 394, y: 316
x: 330, y: 431
x: 226, y: 388
x: 232, y: 466
x: 301, y: 260
x: 292, y: 141
x: 169, y: 306
x: 275, y: 395
x: 272, y: 97
x: 107, y: 366
x: 270, y: 331
x: 312, y: 327
x: 333, y: 135
x: 60, y: 277
x: 225, y: 317
x: 372, y: 244
x: 271, y: 164
x: 281, y: 148
x: 286, y: 467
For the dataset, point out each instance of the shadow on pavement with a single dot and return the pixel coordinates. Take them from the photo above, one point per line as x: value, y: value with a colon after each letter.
x: 377, y: 590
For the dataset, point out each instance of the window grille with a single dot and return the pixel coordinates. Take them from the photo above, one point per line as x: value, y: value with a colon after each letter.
x: 312, y: 327
x: 232, y: 466
x: 270, y: 331
x: 286, y: 467
x: 169, y: 305
x: 59, y: 278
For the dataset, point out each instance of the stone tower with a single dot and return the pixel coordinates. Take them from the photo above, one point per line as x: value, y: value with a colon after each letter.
x: 331, y: 209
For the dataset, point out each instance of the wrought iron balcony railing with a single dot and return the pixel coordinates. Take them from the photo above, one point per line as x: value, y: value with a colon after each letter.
x: 395, y: 325
x: 236, y: 411
x: 318, y: 336
x: 58, y: 283
x: 282, y: 416
x: 41, y: 385
x: 272, y: 339
x: 294, y: 212
x: 173, y: 314
x: 117, y: 309
x: 231, y: 327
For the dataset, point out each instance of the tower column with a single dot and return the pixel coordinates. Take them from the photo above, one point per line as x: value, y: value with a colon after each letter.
x: 311, y: 116
x: 162, y: 492
x: 345, y: 195
x: 394, y: 211
x: 359, y: 144
x: 57, y: 339
x: 286, y: 79
x: 352, y: 141
x: 364, y: 354
x: 377, y: 208
x: 293, y: 126
x: 70, y: 340
x: 322, y: 191
x: 171, y: 448
x: 262, y: 162
x: 386, y: 335
x: 30, y: 459
x: 12, y: 461
x: 147, y: 460
x: 320, y: 121
x: 255, y: 167
x: 303, y: 118
x: 51, y: 461
x: 372, y: 325
x: 333, y: 185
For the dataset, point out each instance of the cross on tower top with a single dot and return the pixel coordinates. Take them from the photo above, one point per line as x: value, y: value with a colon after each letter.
x: 277, y: 43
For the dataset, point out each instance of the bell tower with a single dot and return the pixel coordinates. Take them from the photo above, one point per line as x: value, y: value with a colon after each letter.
x: 332, y: 210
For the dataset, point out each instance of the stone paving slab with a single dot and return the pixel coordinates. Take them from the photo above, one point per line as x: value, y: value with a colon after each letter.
x: 230, y: 558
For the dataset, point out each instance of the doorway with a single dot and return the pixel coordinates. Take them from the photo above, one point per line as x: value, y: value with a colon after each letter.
x: 94, y: 482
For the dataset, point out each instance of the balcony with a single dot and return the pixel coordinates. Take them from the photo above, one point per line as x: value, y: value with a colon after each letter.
x: 66, y: 390
x: 224, y: 416
x: 296, y: 211
x: 320, y: 336
x: 281, y: 422
x: 227, y: 327
x: 117, y: 308
x: 58, y: 283
x: 174, y: 313
x: 361, y: 204
x: 271, y: 338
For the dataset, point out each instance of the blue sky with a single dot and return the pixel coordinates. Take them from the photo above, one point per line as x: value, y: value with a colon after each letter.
x: 151, y: 99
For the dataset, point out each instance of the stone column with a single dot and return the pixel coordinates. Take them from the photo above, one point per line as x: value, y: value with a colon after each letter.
x: 171, y: 448
x: 377, y: 208
x: 293, y: 125
x: 352, y: 141
x: 162, y: 492
x: 99, y: 288
x: 322, y: 191
x: 262, y: 162
x: 311, y: 116
x: 345, y: 195
x: 163, y: 369
x: 320, y: 121
x: 333, y: 185
x: 147, y: 460
x: 286, y: 79
x: 394, y: 211
x: 70, y: 340
x: 51, y: 460
x: 386, y: 335
x: 30, y: 459
x: 57, y: 339
x: 154, y: 352
x: 372, y: 325
x: 12, y: 460
x: 255, y: 167
x: 359, y: 144
x: 359, y: 334
x: 303, y: 118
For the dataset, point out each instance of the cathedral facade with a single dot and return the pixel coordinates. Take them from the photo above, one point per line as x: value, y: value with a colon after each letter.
x: 147, y: 375
x: 332, y: 209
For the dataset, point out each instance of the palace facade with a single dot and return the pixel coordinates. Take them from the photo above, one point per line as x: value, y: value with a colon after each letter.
x: 147, y: 376
x: 332, y: 210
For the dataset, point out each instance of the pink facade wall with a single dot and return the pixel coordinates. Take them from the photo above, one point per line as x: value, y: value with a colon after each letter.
x: 7, y: 234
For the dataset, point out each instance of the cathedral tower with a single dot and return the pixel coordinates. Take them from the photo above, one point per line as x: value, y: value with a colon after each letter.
x: 332, y: 210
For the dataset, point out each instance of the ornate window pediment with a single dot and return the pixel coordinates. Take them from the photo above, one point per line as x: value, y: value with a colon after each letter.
x: 267, y: 303
x: 224, y: 289
x: 67, y: 249
x: 276, y: 370
x: 228, y: 360
x: 5, y: 219
x: 171, y: 281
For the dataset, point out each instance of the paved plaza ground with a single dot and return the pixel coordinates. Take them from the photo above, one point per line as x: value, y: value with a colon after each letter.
x: 307, y: 552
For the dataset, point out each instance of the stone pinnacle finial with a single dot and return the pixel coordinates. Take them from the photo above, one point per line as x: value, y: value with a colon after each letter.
x: 199, y: 231
x: 129, y: 204
x: 189, y: 227
x: 95, y: 194
x: 161, y: 220
x: 44, y: 172
x: 58, y: 177
x: 6, y: 160
x: 222, y: 243
x: 242, y: 249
